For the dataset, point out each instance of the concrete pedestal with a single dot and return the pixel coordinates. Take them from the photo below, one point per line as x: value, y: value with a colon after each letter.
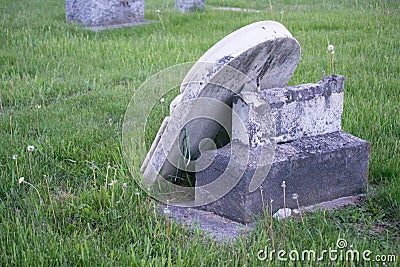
x: 318, y: 169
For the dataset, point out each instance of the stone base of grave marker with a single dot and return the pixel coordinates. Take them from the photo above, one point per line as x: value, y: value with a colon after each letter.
x: 318, y: 169
x: 189, y: 5
x: 97, y: 13
x: 317, y: 160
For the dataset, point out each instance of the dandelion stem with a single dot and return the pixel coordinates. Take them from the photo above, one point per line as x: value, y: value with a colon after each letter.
x: 94, y: 174
x: 112, y: 195
x: 271, y: 230
x: 37, y: 191
x: 30, y: 164
x: 108, y: 167
x: 270, y: 8
x: 159, y: 16
x: 37, y: 119
x: 16, y: 166
x: 301, y: 213
x: 1, y: 105
x: 51, y: 201
x: 264, y: 208
x: 139, y: 205
x: 11, y: 132
x: 284, y: 212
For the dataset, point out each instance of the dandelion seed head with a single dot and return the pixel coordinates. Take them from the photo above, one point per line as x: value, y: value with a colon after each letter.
x: 137, y: 192
x: 295, y: 196
x: 332, y: 52
x: 21, y: 180
x: 166, y: 211
x: 158, y: 11
x: 113, y: 182
x: 162, y: 100
x: 37, y: 106
x: 93, y: 166
x: 283, y: 184
x: 330, y: 47
x: 15, y: 157
x: 124, y: 185
x: 31, y: 148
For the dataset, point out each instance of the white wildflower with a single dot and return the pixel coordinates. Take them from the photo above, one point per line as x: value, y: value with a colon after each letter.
x: 330, y: 47
x: 113, y: 182
x: 295, y: 196
x: 31, y: 148
x: 15, y: 157
x: 162, y: 100
x: 21, y: 180
x: 283, y: 184
x: 167, y: 211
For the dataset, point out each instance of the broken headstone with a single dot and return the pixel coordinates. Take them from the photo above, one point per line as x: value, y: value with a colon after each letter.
x: 270, y: 133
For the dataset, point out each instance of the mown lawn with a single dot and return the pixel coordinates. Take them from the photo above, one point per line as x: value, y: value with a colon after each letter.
x: 65, y: 89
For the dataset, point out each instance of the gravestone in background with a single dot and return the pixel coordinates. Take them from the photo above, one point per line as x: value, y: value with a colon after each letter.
x: 97, y: 13
x: 189, y: 5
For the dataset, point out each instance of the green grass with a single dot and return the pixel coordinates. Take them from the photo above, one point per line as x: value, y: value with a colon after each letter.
x: 84, y: 80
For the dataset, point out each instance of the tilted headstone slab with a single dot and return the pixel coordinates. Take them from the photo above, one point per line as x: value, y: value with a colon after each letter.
x: 317, y: 160
x: 263, y: 52
x: 95, y: 13
x: 189, y: 5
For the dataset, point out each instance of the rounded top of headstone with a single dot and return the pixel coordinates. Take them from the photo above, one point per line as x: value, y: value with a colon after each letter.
x: 265, y: 51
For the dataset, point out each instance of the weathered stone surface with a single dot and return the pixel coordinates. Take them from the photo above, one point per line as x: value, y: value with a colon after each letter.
x: 263, y: 52
x: 319, y: 168
x: 104, y: 12
x: 189, y: 5
x: 308, y: 109
x: 299, y: 111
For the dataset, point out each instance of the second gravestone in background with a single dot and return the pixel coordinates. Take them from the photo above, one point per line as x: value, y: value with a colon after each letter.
x: 189, y: 5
